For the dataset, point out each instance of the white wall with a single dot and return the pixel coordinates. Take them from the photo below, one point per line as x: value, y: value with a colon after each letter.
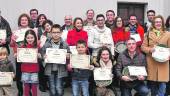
x: 57, y: 9
x: 54, y: 9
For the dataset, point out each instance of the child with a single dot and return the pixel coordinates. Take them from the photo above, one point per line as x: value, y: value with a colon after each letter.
x: 55, y: 72
x: 80, y: 76
x: 6, y: 66
x: 30, y: 70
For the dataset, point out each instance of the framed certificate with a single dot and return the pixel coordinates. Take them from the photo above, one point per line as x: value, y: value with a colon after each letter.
x: 28, y: 55
x: 102, y: 74
x: 80, y: 61
x: 6, y: 78
x: 2, y: 34
x: 136, y: 37
x: 20, y: 34
x: 73, y: 50
x: 57, y: 56
x: 137, y: 70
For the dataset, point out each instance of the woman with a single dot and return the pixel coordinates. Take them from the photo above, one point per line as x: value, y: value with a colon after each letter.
x: 40, y: 19
x: 119, y: 34
x: 104, y: 60
x: 158, y: 73
x: 76, y: 33
x: 167, y: 24
x: 17, y: 41
x: 46, y: 25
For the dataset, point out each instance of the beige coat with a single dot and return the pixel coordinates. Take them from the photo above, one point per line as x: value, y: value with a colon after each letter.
x: 156, y: 71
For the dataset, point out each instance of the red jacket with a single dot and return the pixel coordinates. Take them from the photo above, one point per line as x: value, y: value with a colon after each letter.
x: 73, y: 36
x: 29, y: 67
x: 119, y: 34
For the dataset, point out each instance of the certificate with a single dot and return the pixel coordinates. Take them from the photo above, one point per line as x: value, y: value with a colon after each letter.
x: 6, y: 78
x: 80, y: 61
x: 2, y: 34
x: 88, y: 29
x: 73, y: 50
x: 102, y: 74
x: 42, y: 40
x: 57, y: 56
x: 28, y: 55
x: 20, y: 34
x: 161, y: 54
x: 105, y: 38
x: 136, y: 37
x: 137, y: 70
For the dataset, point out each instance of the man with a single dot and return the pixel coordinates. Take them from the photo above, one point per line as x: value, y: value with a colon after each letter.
x: 67, y: 26
x: 5, y: 28
x: 33, y: 15
x: 135, y: 29
x: 90, y: 18
x: 100, y: 36
x: 110, y: 15
x: 131, y: 57
x: 150, y: 16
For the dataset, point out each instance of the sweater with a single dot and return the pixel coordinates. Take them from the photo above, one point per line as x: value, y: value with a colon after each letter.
x: 73, y: 36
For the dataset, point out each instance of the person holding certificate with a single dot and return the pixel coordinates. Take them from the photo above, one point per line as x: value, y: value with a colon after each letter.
x: 29, y: 64
x: 81, y: 76
x: 6, y: 66
x: 131, y: 57
x: 103, y: 77
x: 158, y: 72
x: 53, y: 48
x: 5, y: 33
x: 23, y: 26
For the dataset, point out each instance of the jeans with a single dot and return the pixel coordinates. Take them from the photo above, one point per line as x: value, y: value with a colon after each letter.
x: 56, y: 85
x: 141, y: 89
x: 78, y: 85
x: 157, y: 88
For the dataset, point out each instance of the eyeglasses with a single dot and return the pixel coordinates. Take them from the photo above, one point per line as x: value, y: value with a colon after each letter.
x: 56, y: 32
x: 131, y: 43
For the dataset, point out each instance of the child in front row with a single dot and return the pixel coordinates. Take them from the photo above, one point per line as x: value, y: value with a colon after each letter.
x: 80, y: 77
x: 30, y: 70
x: 55, y: 71
x: 6, y: 66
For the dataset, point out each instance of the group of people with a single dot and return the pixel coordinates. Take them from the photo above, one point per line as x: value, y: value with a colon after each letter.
x: 110, y: 43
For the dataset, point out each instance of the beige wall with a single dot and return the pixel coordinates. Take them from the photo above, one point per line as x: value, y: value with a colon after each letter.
x: 56, y: 10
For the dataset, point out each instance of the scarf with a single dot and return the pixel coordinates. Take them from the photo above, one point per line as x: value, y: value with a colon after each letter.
x: 106, y: 65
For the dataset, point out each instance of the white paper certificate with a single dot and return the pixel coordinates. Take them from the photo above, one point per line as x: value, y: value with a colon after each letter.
x: 161, y: 53
x: 57, y: 56
x: 73, y: 50
x: 137, y: 70
x: 42, y: 40
x: 20, y: 34
x: 2, y: 34
x: 102, y: 74
x: 6, y: 78
x: 136, y: 37
x: 28, y: 55
x: 80, y: 61
x: 105, y: 38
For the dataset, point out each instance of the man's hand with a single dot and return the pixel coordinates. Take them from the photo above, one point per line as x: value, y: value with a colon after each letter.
x: 126, y: 78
